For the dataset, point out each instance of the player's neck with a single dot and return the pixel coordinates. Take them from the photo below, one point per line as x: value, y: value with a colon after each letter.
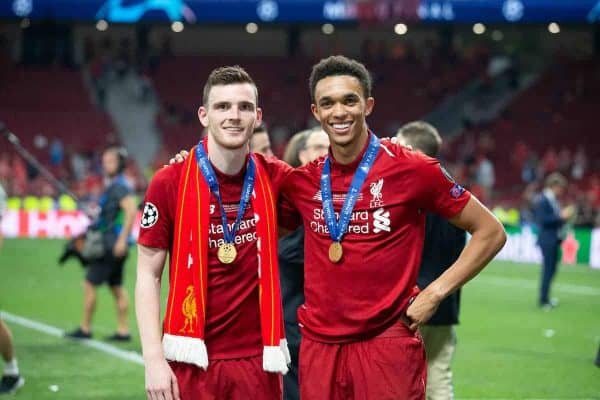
x: 348, y: 153
x: 227, y: 161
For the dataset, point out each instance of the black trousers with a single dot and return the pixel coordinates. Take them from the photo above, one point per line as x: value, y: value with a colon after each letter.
x: 550, y: 261
x: 291, y: 390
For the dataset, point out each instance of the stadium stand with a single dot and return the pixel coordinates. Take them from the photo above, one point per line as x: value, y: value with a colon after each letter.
x: 52, y: 102
x: 284, y: 97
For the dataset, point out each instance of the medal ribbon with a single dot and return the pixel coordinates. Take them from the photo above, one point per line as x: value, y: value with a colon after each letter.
x: 211, y: 179
x: 336, y: 230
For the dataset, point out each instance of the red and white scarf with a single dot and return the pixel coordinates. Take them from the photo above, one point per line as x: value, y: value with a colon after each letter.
x: 185, y: 318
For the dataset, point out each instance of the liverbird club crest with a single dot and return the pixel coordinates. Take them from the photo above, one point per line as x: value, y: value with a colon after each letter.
x: 377, y: 200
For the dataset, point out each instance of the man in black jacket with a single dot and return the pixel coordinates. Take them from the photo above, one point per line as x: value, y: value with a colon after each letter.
x: 443, y: 244
x: 304, y: 147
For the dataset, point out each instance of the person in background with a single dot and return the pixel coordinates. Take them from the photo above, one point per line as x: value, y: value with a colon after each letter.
x: 443, y: 244
x: 303, y: 147
x: 260, y: 141
x: 117, y: 212
x: 11, y: 378
x: 550, y: 218
x: 3, y: 199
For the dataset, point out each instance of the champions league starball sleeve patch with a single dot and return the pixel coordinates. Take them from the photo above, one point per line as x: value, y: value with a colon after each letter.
x: 149, y: 216
x: 456, y: 191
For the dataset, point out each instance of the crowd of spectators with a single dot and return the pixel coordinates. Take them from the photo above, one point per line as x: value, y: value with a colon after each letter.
x: 81, y: 172
x: 471, y: 157
x: 468, y: 160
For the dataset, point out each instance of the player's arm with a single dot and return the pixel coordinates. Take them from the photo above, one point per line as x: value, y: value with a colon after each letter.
x: 288, y: 216
x: 127, y: 204
x: 487, y: 239
x: 160, y: 380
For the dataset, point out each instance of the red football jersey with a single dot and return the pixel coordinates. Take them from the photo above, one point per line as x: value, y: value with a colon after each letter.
x: 369, y: 289
x: 232, y: 309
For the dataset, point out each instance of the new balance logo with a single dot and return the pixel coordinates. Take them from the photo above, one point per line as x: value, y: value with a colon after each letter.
x: 381, y: 220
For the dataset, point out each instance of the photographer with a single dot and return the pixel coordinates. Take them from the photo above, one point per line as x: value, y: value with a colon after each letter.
x: 108, y: 237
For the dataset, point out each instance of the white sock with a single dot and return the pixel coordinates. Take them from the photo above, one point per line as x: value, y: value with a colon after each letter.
x: 11, y: 368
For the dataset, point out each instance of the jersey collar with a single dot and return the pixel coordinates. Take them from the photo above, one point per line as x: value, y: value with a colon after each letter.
x: 354, y: 164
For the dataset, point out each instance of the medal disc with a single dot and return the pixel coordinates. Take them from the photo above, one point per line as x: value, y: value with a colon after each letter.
x: 227, y: 253
x: 335, y: 252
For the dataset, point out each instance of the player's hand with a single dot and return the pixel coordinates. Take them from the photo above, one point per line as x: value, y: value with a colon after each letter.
x: 161, y: 383
x: 120, y: 248
x: 395, y: 140
x: 179, y: 157
x: 568, y: 212
x: 421, y: 309
x: 92, y: 210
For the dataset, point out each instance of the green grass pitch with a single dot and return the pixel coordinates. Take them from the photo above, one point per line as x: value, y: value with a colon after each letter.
x: 507, y: 347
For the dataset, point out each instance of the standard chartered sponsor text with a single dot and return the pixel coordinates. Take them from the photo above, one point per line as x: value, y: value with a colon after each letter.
x: 359, y: 222
x: 241, y: 236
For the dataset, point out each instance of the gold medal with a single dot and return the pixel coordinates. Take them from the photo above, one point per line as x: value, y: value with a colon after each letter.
x: 335, y: 252
x: 226, y: 253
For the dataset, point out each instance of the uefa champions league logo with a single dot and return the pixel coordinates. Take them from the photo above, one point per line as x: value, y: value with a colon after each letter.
x: 149, y: 215
x: 513, y: 10
x: 456, y: 191
x: 267, y: 10
x: 128, y: 11
x: 22, y: 8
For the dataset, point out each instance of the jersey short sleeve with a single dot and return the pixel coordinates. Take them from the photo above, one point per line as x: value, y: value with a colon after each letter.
x: 278, y: 170
x: 281, y: 175
x: 288, y: 216
x: 156, y: 225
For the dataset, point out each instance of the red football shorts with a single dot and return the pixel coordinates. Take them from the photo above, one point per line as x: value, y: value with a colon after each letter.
x: 236, y: 379
x: 389, y: 366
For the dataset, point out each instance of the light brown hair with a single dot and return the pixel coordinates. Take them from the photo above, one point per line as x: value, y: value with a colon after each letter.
x: 227, y: 76
x: 421, y: 136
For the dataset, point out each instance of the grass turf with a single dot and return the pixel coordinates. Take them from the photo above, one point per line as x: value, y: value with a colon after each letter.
x: 507, y: 347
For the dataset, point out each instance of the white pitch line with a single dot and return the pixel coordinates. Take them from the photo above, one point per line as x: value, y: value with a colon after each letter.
x: 531, y: 284
x: 126, y: 355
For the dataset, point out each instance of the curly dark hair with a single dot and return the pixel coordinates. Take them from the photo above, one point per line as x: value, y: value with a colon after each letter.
x: 340, y: 65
